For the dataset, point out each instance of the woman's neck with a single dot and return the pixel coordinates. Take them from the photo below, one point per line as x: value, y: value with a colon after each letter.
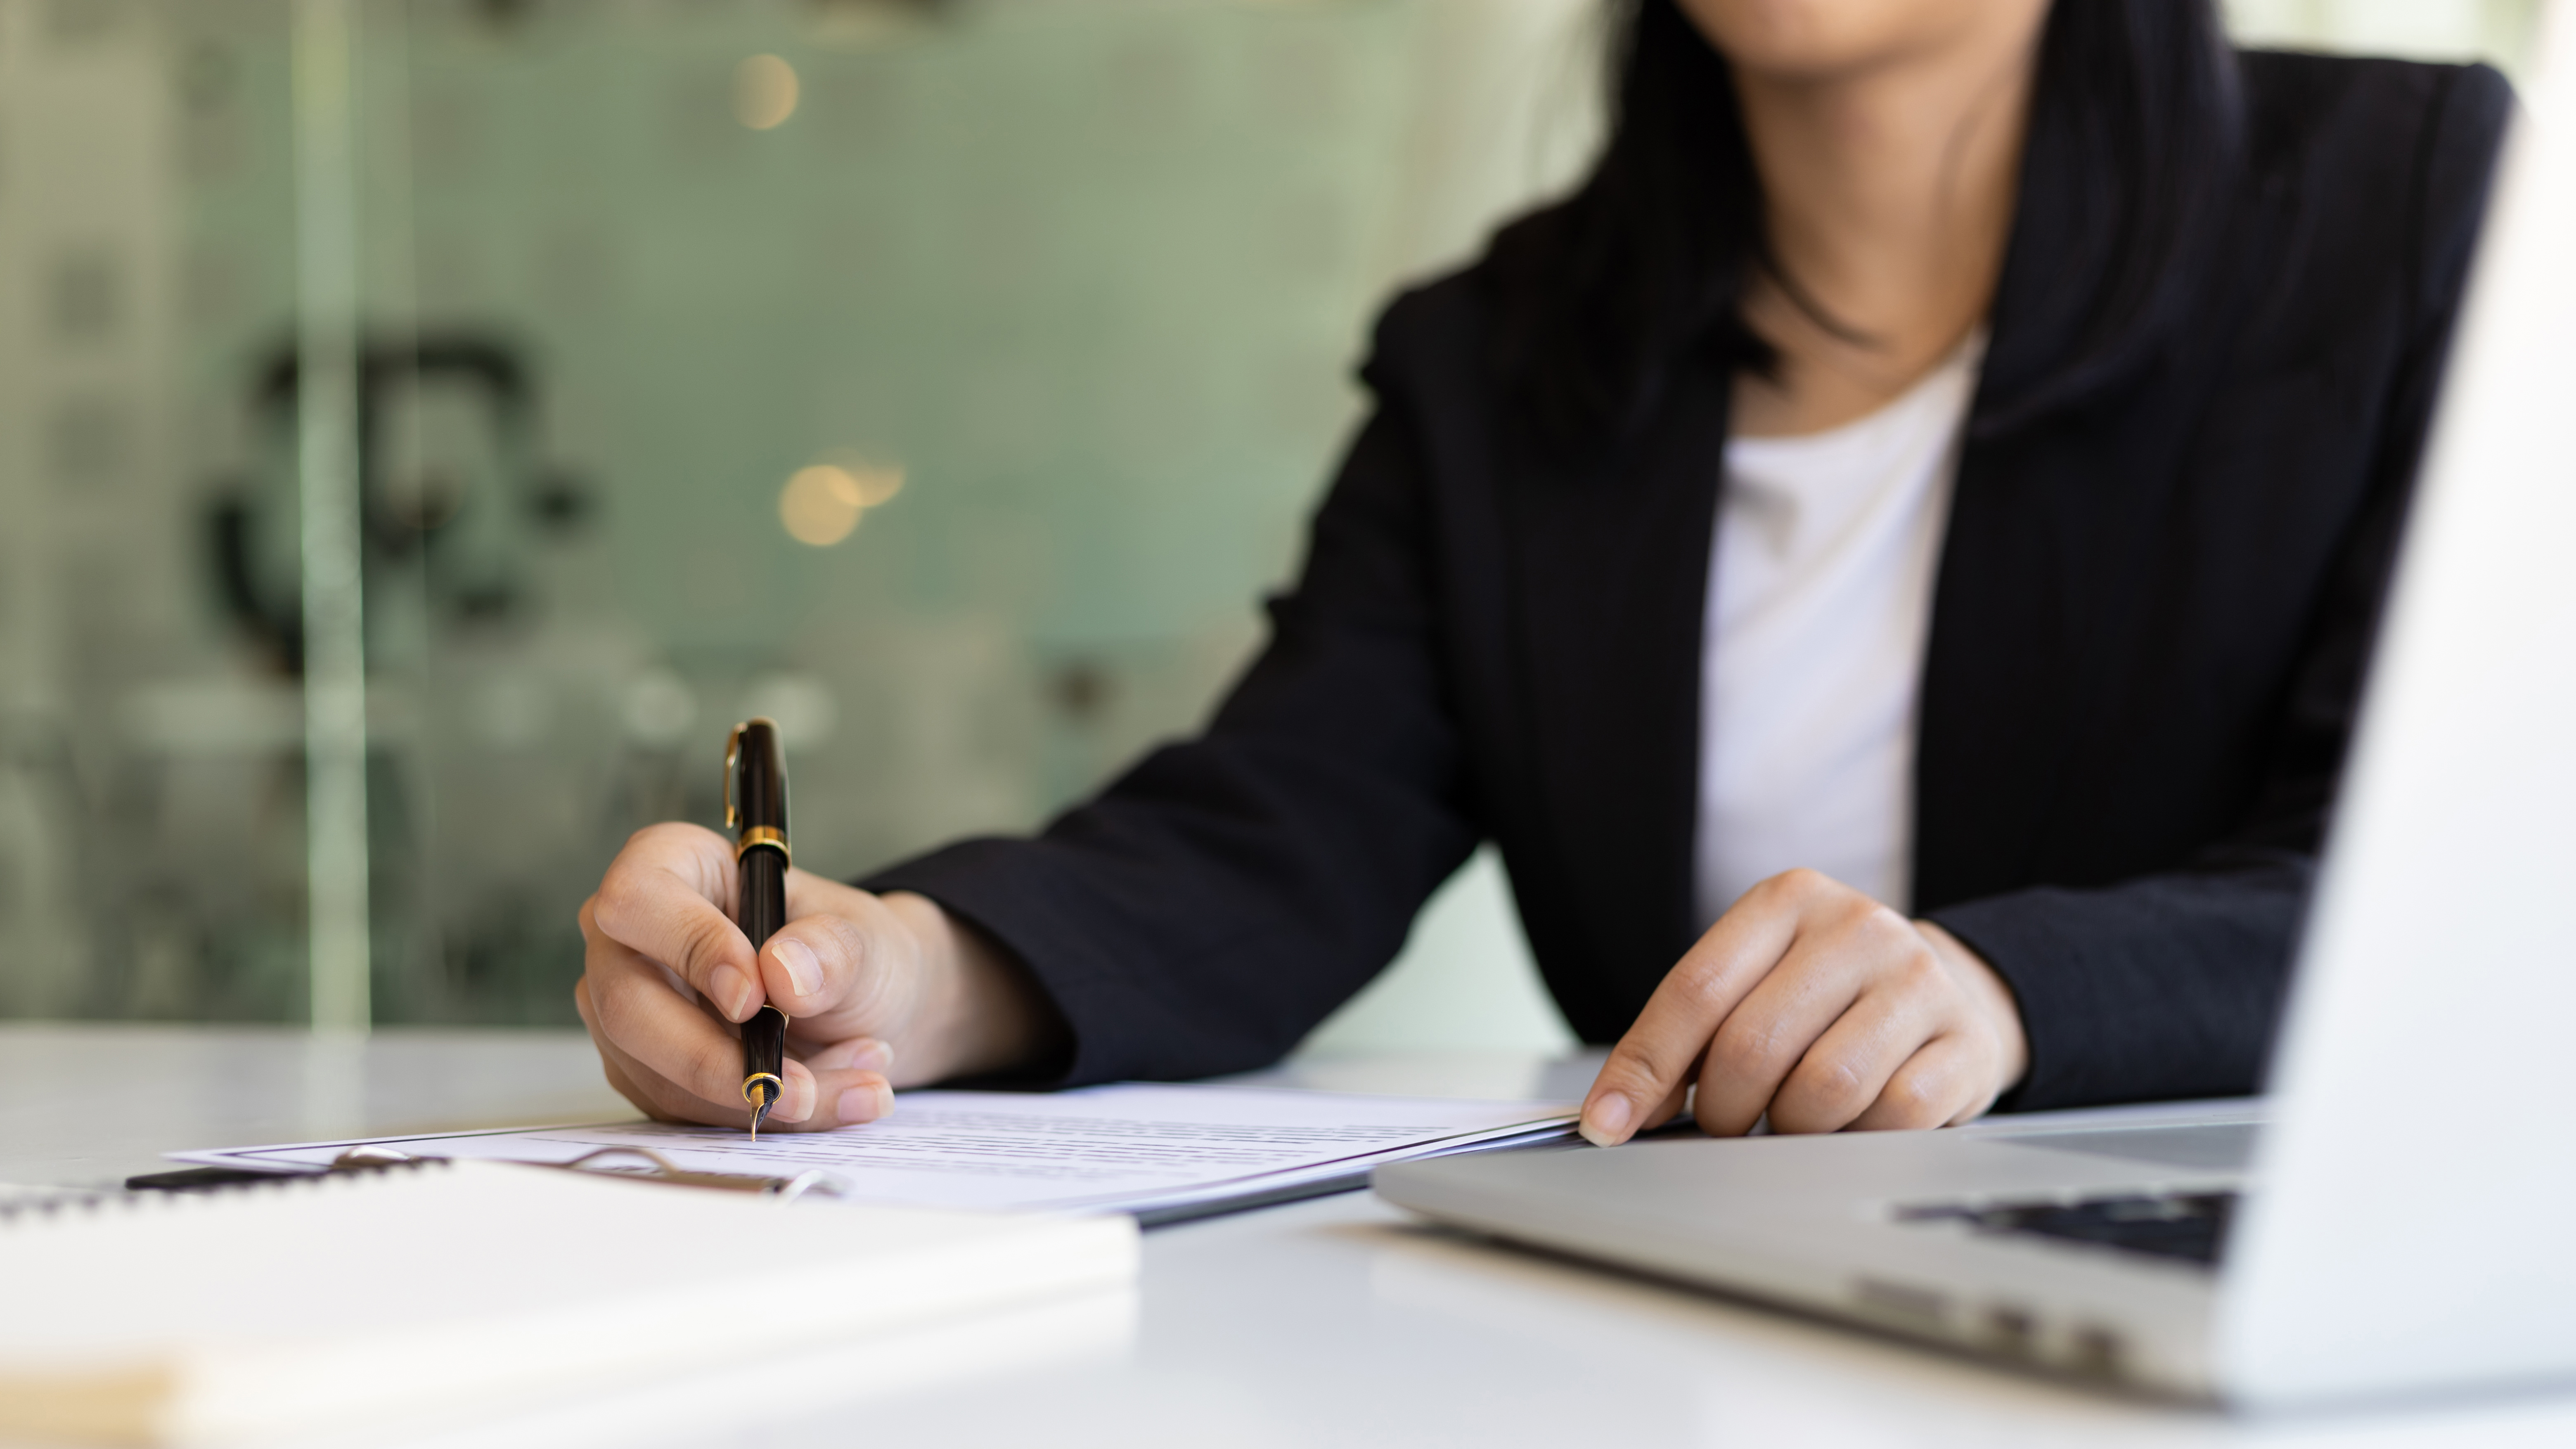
x: 1889, y: 193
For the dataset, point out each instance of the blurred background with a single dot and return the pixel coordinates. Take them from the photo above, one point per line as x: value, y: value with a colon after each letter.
x: 426, y: 425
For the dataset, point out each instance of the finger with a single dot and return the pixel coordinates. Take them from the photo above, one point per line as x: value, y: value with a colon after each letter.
x: 826, y: 1099
x: 618, y: 1081
x: 658, y: 1098
x: 861, y: 1053
x: 840, y: 968
x: 1849, y: 1066
x: 850, y: 1080
x: 1654, y: 1058
x: 1668, y: 1109
x: 812, y: 1101
x: 1941, y: 1085
x: 809, y: 894
x: 668, y: 896
x: 666, y: 1040
x: 648, y: 1102
x: 669, y: 1102
x: 848, y: 1085
x: 1845, y: 947
x: 625, y: 1088
x: 848, y: 1099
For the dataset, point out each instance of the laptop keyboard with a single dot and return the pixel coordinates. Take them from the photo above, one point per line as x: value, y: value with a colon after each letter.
x: 2189, y: 1227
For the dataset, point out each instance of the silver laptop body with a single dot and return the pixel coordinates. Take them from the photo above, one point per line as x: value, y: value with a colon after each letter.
x: 2404, y: 1219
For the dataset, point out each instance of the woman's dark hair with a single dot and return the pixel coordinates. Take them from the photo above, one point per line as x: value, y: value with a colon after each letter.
x: 2134, y: 129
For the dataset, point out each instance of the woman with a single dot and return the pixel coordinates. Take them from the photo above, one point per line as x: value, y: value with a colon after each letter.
x: 1921, y: 507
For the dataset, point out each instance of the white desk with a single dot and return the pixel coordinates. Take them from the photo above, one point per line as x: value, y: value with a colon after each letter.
x: 1333, y: 1322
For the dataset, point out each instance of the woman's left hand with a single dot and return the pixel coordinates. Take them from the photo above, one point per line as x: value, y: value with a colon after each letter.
x: 1813, y: 1003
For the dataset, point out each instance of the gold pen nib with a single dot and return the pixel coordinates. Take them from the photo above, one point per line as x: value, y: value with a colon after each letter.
x: 762, y: 1090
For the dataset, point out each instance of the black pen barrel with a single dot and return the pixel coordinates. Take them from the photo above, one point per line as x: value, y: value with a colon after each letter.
x: 764, y: 1047
x: 756, y: 809
x: 764, y: 910
x: 764, y: 894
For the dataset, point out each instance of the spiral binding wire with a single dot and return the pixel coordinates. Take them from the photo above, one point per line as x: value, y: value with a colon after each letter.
x: 91, y: 1202
x: 370, y: 1159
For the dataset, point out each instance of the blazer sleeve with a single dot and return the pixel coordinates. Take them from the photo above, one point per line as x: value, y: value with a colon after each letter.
x: 2171, y: 986
x: 1213, y: 904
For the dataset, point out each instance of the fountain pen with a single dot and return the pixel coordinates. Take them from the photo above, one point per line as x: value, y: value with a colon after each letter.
x: 756, y: 811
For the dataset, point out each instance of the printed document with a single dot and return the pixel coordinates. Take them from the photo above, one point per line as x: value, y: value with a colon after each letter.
x: 1161, y: 1152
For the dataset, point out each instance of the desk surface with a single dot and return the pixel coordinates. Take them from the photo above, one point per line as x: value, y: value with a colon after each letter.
x: 1336, y: 1321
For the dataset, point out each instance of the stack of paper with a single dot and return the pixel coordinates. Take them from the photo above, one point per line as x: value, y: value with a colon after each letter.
x: 1159, y: 1152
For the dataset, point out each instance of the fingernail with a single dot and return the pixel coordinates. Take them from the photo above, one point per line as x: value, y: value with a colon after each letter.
x: 803, y: 971
x: 865, y: 1104
x: 730, y: 992
x: 876, y: 1056
x: 1605, y: 1122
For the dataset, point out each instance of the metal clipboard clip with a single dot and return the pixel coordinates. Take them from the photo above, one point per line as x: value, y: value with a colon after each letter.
x: 657, y: 1168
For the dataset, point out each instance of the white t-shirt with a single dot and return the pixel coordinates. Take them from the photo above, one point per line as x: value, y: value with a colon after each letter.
x: 1819, y: 601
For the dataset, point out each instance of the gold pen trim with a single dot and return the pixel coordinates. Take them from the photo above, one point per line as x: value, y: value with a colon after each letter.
x: 733, y: 757
x: 755, y: 1079
x: 760, y: 835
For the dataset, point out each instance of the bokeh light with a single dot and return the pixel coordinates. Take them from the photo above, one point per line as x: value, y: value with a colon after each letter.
x: 821, y: 504
x: 764, y: 92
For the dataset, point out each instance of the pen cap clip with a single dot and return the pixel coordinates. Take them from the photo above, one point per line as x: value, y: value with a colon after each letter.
x: 733, y: 761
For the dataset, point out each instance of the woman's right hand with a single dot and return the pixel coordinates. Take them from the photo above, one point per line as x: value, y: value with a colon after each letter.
x: 878, y: 990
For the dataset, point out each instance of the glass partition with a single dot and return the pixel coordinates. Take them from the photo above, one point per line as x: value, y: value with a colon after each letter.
x: 944, y: 378
x: 152, y: 855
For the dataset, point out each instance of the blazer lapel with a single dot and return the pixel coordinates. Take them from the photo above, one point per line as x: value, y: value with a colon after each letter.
x: 2039, y: 579
x: 2018, y: 575
x: 1610, y: 588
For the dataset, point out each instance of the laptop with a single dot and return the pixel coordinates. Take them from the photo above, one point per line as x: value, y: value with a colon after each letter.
x: 2399, y: 1215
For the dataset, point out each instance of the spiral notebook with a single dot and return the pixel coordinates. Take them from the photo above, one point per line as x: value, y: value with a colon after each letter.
x: 252, y: 1313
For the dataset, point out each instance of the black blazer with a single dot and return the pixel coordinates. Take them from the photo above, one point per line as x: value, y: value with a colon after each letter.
x: 2147, y: 636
